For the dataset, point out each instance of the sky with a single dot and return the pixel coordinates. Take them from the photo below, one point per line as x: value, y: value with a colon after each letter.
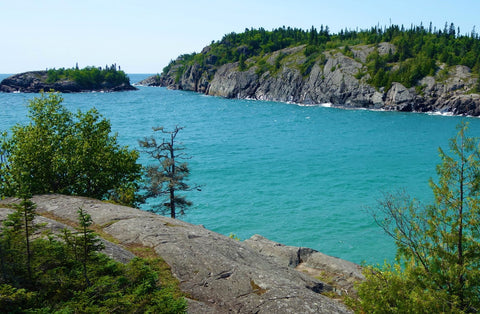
x: 143, y: 36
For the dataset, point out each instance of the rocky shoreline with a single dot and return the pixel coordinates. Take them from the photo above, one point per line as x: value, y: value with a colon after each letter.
x: 333, y: 80
x: 35, y: 81
x: 219, y: 274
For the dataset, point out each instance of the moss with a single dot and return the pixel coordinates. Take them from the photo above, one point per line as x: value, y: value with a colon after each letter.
x: 168, y: 224
x: 326, y: 278
x: 163, y: 269
x: 234, y: 236
x: 256, y: 288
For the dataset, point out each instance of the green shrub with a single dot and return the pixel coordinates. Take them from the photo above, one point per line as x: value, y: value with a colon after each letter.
x: 59, y: 283
x: 437, y: 269
x: 61, y: 152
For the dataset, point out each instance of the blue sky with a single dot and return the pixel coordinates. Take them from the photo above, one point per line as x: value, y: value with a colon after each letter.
x: 143, y: 36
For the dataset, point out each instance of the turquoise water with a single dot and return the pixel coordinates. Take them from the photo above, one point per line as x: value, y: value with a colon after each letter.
x: 303, y: 176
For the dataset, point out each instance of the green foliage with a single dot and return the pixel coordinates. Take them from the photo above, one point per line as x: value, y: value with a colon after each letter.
x: 87, y: 242
x: 170, y: 176
x: 90, y: 77
x: 262, y: 67
x: 278, y: 60
x: 347, y: 51
x: 15, y: 241
x: 417, y: 51
x: 234, y: 237
x: 438, y: 246
x: 393, y: 289
x: 313, y: 54
x: 68, y: 280
x: 62, y: 152
x: 241, y: 63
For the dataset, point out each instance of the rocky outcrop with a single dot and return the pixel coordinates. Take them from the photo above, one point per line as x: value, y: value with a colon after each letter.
x: 219, y: 273
x: 341, y: 274
x: 36, y: 81
x: 335, y: 78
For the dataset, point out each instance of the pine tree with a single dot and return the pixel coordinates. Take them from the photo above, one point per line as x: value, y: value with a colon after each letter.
x: 87, y: 241
x: 15, y: 243
x: 170, y: 176
x: 438, y: 246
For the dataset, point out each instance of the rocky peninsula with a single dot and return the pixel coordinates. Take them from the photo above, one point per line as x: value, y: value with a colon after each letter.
x: 219, y: 274
x: 338, y: 77
x: 36, y: 81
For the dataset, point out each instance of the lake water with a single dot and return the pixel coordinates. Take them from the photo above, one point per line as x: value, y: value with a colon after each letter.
x: 302, y: 176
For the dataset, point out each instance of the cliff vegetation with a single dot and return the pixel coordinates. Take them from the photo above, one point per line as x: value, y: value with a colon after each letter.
x: 395, y: 68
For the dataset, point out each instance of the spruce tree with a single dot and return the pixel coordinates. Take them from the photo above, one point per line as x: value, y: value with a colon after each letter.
x: 87, y: 242
x: 437, y: 267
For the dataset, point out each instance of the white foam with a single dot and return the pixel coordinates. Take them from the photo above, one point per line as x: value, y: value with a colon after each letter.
x: 440, y: 113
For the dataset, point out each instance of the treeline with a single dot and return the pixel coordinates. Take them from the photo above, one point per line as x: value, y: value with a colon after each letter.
x: 89, y: 77
x: 418, y: 50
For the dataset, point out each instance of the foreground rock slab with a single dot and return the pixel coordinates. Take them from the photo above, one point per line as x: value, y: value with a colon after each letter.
x: 221, y: 274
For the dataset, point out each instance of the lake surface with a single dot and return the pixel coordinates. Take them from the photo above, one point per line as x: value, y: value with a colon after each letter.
x: 302, y: 176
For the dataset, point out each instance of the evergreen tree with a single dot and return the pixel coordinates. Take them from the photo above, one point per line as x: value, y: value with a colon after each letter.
x: 15, y: 244
x: 93, y: 283
x: 241, y: 62
x: 87, y: 241
x: 26, y: 209
x: 438, y: 246
x: 170, y: 176
x: 411, y: 47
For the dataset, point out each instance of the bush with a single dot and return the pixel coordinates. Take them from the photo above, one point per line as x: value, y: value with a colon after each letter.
x: 438, y: 246
x: 62, y: 152
x: 66, y: 279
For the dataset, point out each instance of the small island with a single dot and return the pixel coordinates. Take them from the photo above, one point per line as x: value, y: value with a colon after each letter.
x: 73, y: 80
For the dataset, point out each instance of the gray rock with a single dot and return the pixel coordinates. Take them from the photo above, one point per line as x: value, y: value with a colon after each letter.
x: 290, y: 256
x: 150, y: 81
x: 340, y: 273
x: 399, y: 98
x: 35, y: 81
x: 220, y: 274
x: 112, y: 250
x: 337, y: 80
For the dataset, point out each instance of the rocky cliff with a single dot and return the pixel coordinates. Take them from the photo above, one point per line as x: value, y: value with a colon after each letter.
x: 219, y: 273
x: 36, y: 81
x: 335, y: 78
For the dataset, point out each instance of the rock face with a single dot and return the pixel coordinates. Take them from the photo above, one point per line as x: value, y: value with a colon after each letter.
x: 221, y: 274
x: 335, y: 78
x: 34, y: 82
